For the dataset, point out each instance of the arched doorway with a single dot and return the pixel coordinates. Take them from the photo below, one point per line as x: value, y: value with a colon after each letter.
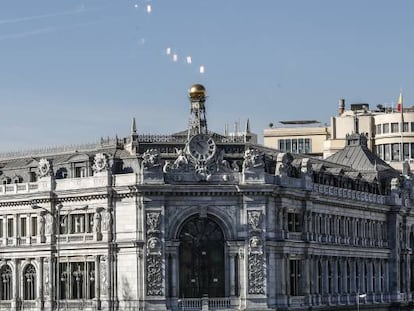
x: 201, y: 258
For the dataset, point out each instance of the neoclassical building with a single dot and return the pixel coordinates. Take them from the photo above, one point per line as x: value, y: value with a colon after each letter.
x: 202, y: 221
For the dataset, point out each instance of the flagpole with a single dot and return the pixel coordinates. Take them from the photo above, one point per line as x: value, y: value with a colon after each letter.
x: 400, y: 108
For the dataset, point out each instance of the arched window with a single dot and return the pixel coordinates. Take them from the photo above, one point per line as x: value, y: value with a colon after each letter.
x: 6, y: 283
x: 29, y: 283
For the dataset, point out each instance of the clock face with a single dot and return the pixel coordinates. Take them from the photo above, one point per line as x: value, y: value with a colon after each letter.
x: 202, y: 147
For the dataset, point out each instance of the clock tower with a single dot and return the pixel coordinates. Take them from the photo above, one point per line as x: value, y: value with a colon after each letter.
x: 198, y: 122
x: 200, y: 147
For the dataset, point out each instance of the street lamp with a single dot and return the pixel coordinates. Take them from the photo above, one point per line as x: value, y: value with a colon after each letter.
x: 58, y: 222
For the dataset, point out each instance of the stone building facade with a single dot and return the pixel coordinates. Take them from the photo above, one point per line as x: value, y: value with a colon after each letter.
x: 201, y: 221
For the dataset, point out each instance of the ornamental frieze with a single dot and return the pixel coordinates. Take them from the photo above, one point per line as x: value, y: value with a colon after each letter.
x: 154, y: 275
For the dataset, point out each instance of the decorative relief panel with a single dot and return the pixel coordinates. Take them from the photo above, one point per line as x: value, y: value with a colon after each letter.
x: 104, y: 275
x: 46, y: 277
x: 154, y: 255
x: 100, y: 163
x: 256, y: 271
x: 154, y: 275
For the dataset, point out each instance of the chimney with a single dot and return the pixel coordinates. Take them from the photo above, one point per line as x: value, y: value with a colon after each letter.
x: 341, y: 108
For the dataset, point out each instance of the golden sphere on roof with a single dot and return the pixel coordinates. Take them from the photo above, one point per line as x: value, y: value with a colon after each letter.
x: 197, y: 91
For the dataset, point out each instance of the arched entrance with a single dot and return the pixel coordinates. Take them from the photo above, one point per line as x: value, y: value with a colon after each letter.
x: 201, y: 258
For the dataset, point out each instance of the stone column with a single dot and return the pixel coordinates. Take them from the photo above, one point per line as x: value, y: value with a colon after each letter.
x: 97, y: 281
x: 352, y: 275
x: 242, y: 278
x: 232, y: 257
x: 40, y: 280
x: 16, y: 279
x: 325, y: 280
x: 174, y: 274
x: 370, y: 285
x: 335, y: 275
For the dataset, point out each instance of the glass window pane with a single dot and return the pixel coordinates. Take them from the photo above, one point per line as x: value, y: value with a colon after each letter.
x: 23, y: 227
x: 288, y: 145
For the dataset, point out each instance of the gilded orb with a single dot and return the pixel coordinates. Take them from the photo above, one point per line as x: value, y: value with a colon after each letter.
x: 197, y: 91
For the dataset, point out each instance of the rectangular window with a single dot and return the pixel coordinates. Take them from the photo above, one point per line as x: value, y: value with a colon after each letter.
x: 381, y: 151
x: 378, y: 129
x: 294, y: 222
x: 394, y: 127
x: 387, y: 153
x: 386, y: 128
x: 412, y: 150
x: 34, y: 226
x: 395, y: 152
x: 32, y: 176
x: 294, y: 145
x: 412, y: 126
x: 10, y: 227
x: 1, y: 227
x: 23, y: 231
x: 78, y: 223
x: 294, y: 272
x: 288, y: 145
x: 90, y: 222
x: 282, y: 145
x: 308, y: 145
x: 80, y: 172
x: 406, y: 151
x: 405, y: 127
x: 300, y: 145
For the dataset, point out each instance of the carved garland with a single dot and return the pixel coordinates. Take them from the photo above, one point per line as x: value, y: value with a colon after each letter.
x: 256, y: 273
x: 154, y: 259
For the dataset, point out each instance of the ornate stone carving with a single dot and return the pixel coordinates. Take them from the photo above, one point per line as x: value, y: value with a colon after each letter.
x: 154, y: 275
x: 154, y: 245
x: 283, y: 164
x: 255, y: 244
x: 100, y: 163
x: 181, y: 163
x: 306, y: 167
x: 107, y: 221
x: 252, y: 159
x: 256, y: 273
x: 46, y: 277
x: 49, y: 224
x: 97, y: 222
x: 104, y: 275
x: 44, y: 168
x: 151, y: 159
x: 254, y: 219
x: 42, y: 225
x: 153, y: 222
x: 202, y: 172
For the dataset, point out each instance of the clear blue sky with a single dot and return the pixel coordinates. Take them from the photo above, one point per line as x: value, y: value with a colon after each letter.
x: 72, y: 71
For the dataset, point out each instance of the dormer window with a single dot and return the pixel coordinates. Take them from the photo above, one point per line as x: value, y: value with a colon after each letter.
x: 17, y: 179
x: 5, y: 180
x: 80, y: 172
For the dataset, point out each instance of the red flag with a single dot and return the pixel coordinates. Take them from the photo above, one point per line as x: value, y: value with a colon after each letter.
x: 400, y: 103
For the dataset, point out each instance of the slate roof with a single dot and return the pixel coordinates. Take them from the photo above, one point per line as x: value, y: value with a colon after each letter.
x: 360, y: 158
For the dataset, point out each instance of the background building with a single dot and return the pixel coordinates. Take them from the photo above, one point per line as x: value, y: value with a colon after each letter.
x: 389, y: 133
x: 202, y: 221
x: 302, y: 136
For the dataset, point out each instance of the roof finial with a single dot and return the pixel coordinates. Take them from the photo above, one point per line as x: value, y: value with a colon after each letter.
x: 247, y: 126
x: 133, y: 126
